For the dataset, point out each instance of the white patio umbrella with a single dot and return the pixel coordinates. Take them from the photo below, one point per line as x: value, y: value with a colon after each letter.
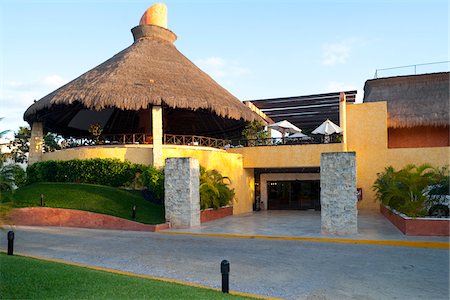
x: 285, y: 127
x: 327, y: 128
x: 299, y: 135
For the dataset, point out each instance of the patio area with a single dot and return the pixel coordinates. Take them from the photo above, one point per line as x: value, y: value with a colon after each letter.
x: 297, y: 223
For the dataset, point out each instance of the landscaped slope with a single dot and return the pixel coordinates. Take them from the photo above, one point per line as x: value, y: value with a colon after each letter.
x: 89, y: 197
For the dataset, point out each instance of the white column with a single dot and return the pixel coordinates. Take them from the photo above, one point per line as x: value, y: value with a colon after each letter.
x: 343, y: 119
x: 157, y: 132
x: 36, y: 143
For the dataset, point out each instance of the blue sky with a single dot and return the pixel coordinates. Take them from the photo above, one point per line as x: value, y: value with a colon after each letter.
x: 255, y: 49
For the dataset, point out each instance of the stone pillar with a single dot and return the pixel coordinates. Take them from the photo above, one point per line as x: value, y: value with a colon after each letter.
x: 157, y: 132
x: 181, y: 192
x: 339, y: 214
x: 343, y: 119
x: 36, y: 143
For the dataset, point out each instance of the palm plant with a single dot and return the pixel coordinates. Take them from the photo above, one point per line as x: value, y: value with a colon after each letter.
x: 404, y: 190
x: 214, y: 190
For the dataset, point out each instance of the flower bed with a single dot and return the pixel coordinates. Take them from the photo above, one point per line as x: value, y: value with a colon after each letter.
x: 45, y: 216
x: 211, y: 214
x: 416, y: 226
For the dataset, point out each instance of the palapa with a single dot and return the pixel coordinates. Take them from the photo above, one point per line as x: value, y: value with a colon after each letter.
x: 149, y: 72
x: 414, y: 100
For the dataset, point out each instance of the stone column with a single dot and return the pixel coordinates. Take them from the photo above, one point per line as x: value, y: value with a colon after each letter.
x: 343, y: 119
x: 181, y: 192
x: 157, y: 132
x: 339, y: 214
x: 36, y: 143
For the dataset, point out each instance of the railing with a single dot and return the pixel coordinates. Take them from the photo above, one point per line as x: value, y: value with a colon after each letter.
x: 109, y: 139
x: 194, y: 140
x: 394, y: 70
x: 314, y: 139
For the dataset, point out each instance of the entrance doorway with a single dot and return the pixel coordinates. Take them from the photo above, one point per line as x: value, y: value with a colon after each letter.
x: 297, y: 194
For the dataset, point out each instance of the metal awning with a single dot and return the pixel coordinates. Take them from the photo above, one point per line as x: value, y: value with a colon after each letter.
x: 304, y: 111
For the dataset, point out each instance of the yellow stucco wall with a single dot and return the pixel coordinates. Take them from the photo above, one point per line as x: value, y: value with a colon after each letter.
x: 228, y: 164
x: 139, y: 154
x: 284, y: 156
x: 367, y: 136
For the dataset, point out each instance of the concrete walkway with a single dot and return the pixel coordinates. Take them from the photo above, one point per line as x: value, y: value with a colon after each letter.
x: 371, y: 226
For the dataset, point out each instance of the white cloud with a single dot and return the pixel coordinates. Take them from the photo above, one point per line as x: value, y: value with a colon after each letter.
x: 218, y: 67
x: 337, y: 53
x: 17, y: 96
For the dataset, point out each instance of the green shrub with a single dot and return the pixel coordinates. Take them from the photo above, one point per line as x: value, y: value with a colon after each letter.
x: 405, y: 190
x: 111, y: 172
x: 214, y: 190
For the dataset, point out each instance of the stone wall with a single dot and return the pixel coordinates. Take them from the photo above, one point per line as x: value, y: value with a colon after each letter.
x: 338, y: 193
x: 182, y: 198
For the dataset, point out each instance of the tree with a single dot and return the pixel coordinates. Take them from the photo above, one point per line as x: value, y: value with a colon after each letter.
x: 255, y: 130
x: 20, y: 146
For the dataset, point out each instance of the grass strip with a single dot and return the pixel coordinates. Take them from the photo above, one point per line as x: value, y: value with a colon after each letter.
x: 30, y: 278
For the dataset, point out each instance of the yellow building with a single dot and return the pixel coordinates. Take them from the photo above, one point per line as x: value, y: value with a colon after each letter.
x: 149, y: 103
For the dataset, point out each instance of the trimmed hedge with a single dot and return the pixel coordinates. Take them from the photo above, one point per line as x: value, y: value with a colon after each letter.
x: 111, y: 172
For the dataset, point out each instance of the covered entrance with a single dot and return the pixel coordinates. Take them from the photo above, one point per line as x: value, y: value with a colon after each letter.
x: 287, y: 189
x: 297, y: 194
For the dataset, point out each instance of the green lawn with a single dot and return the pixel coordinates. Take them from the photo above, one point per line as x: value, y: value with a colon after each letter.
x: 29, y: 278
x: 90, y: 197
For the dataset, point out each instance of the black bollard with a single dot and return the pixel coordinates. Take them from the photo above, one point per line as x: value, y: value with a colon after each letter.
x: 133, y: 214
x: 42, y: 200
x: 10, y: 242
x: 225, y: 270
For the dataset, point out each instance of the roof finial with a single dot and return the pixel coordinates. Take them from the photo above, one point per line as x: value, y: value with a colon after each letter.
x: 155, y: 15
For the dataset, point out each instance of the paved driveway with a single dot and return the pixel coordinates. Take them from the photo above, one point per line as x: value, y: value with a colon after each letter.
x: 371, y: 225
x: 289, y: 269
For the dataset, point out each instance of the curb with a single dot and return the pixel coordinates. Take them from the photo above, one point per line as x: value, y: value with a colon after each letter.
x: 392, y: 243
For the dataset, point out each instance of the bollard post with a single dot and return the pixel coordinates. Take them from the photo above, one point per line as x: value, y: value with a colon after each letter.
x: 225, y: 270
x: 42, y: 200
x: 10, y: 242
x: 133, y: 214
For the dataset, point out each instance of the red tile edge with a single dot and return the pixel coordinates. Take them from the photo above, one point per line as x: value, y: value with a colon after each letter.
x: 214, y: 214
x: 46, y: 216
x: 419, y: 226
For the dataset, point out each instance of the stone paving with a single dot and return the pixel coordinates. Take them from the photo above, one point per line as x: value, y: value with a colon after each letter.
x: 371, y: 225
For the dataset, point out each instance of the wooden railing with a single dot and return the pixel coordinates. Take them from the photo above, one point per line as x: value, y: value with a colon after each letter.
x: 195, y: 140
x: 109, y: 139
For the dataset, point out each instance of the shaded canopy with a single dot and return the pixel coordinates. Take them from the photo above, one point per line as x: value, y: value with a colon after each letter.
x: 149, y: 72
x: 415, y: 100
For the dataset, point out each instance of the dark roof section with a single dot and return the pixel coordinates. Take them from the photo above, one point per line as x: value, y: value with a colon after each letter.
x: 413, y: 100
x: 304, y: 111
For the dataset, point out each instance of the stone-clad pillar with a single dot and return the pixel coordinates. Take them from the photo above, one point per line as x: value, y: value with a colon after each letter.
x: 181, y: 192
x: 36, y: 143
x: 157, y: 132
x: 339, y: 214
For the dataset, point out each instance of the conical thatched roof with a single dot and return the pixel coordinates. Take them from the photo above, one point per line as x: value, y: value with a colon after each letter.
x: 415, y: 100
x: 149, y: 72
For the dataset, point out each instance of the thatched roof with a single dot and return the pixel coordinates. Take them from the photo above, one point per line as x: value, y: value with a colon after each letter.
x: 415, y: 100
x: 149, y: 72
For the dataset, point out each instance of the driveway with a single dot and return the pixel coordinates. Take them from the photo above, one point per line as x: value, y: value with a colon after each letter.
x: 297, y: 223
x: 288, y: 269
